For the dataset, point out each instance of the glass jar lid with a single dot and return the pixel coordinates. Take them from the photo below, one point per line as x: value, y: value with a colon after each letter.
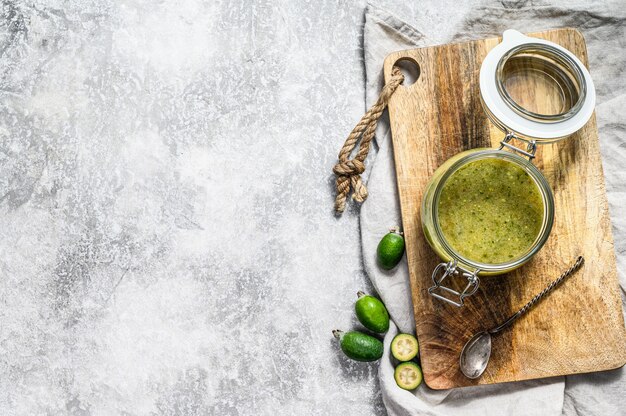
x: 535, y: 89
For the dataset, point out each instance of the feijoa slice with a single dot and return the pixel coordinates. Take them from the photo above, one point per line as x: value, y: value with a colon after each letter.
x: 359, y: 346
x: 390, y: 249
x: 408, y: 375
x: 372, y: 313
x: 404, y: 347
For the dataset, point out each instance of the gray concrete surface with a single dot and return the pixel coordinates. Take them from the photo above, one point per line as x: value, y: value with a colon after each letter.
x: 167, y: 241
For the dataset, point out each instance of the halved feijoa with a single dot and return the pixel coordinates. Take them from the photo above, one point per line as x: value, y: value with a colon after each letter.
x: 404, y: 347
x: 408, y: 375
x: 359, y: 346
x: 390, y: 249
x: 372, y: 313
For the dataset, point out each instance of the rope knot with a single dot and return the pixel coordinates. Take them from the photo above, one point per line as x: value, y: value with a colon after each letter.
x: 349, y: 171
x: 349, y: 168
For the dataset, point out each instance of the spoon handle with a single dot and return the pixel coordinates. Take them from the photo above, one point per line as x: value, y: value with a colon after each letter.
x: 579, y: 262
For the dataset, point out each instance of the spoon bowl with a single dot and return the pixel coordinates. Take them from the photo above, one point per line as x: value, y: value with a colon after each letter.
x: 475, y: 355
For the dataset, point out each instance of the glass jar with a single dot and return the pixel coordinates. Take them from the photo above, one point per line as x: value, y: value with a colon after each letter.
x: 517, y: 60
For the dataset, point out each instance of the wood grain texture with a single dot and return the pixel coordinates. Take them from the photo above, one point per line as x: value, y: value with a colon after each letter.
x: 580, y: 327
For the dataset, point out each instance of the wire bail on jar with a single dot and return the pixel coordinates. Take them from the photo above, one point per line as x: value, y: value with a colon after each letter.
x: 450, y: 269
x: 531, y: 146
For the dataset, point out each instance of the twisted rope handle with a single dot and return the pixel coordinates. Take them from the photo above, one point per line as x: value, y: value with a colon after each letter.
x: 348, y: 171
x: 579, y: 262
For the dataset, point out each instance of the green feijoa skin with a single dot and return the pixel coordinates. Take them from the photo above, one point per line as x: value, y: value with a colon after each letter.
x: 359, y: 346
x: 404, y: 347
x: 408, y: 375
x: 371, y: 313
x: 390, y: 249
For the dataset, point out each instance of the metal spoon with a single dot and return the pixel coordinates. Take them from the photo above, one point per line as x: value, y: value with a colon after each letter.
x: 476, y: 352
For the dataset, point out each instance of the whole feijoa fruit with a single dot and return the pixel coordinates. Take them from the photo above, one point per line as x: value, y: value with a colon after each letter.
x: 359, y: 346
x: 371, y: 313
x: 390, y: 249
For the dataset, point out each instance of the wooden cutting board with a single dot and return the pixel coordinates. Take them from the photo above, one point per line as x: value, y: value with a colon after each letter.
x: 579, y: 328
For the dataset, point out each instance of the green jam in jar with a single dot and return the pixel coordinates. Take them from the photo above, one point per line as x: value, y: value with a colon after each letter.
x: 490, y: 211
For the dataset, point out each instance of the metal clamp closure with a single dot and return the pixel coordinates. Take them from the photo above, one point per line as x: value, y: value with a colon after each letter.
x: 451, y: 269
x: 531, y: 146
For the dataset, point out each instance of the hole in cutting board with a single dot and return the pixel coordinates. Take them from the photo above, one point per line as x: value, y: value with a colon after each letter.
x: 410, y: 69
